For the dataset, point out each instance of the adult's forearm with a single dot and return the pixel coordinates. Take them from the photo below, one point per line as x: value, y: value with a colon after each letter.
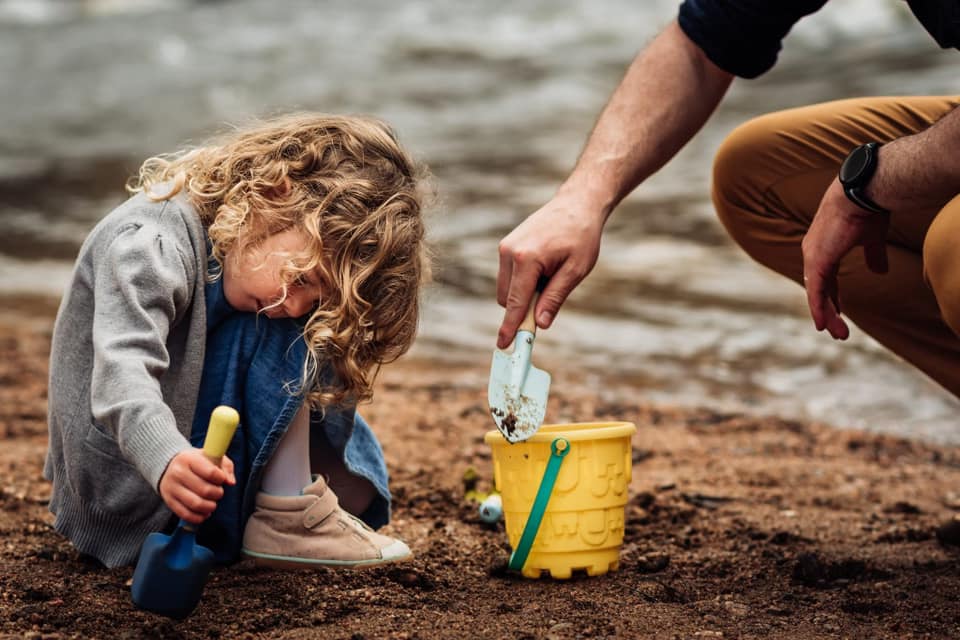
x: 920, y: 171
x: 666, y: 96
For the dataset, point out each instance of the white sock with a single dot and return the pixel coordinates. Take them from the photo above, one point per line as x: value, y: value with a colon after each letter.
x: 288, y: 471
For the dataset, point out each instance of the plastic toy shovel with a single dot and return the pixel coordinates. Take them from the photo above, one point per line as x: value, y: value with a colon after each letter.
x: 172, y: 569
x: 518, y: 391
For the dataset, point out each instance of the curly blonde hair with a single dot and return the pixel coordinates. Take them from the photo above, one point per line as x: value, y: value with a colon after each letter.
x: 358, y: 196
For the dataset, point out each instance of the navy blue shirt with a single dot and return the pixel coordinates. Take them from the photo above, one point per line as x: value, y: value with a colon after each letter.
x: 743, y: 37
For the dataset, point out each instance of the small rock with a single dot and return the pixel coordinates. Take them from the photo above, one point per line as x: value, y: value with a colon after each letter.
x: 560, y: 631
x: 948, y: 534
x: 411, y: 579
x: 736, y: 608
x: 903, y: 507
x: 644, y: 499
x: 809, y: 569
x: 951, y: 500
x: 653, y: 563
x: 781, y: 538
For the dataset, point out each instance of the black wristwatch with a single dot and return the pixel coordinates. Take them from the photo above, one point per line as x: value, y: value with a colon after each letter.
x: 855, y: 174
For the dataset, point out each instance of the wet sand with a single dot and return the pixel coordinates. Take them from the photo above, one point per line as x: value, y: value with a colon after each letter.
x: 736, y: 527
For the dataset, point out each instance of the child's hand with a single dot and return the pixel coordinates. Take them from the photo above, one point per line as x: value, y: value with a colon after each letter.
x: 191, y: 484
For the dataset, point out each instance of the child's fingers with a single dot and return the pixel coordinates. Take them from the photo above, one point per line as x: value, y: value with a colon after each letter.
x: 203, y: 489
x: 185, y: 514
x: 207, y: 470
x: 189, y: 506
x: 227, y: 465
x: 202, y: 500
x: 191, y: 486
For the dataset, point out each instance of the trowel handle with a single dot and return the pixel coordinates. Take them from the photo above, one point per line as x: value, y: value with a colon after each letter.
x: 529, y: 323
x: 223, y: 423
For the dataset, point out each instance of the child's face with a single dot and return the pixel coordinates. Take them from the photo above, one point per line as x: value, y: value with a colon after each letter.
x: 253, y: 281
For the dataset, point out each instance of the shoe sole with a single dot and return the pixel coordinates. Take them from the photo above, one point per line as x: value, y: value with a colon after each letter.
x: 285, y: 562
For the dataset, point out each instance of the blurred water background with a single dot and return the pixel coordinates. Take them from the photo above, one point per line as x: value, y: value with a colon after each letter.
x: 498, y: 98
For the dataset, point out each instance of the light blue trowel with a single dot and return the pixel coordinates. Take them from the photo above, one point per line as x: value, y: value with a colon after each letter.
x: 518, y: 391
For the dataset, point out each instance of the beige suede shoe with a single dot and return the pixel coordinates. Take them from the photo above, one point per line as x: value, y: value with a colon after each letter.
x: 311, y: 530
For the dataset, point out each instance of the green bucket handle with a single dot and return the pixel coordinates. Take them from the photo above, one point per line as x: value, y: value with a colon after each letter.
x: 559, y: 448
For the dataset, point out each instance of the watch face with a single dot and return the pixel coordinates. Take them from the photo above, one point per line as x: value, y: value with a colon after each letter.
x: 854, y: 165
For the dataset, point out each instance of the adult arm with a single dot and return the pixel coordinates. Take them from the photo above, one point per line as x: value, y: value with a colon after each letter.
x: 920, y: 171
x: 667, y: 94
x: 917, y: 172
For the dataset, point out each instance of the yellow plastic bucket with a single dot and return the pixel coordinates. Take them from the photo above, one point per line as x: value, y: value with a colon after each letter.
x: 564, y: 491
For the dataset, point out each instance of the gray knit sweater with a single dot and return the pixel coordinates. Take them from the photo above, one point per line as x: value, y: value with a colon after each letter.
x: 125, y: 367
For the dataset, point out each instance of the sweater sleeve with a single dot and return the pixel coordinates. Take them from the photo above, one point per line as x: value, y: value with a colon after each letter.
x: 142, y: 286
x: 742, y: 37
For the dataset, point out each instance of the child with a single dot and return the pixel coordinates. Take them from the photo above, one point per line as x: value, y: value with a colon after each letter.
x: 272, y: 270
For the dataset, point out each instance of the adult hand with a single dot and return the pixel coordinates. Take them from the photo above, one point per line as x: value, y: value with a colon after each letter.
x: 838, y: 226
x: 561, y: 241
x: 191, y: 484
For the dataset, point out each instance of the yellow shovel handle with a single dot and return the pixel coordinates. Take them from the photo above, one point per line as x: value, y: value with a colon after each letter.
x: 223, y: 424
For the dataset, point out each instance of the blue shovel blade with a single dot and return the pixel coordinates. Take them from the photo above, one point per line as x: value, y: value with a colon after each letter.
x: 171, y: 573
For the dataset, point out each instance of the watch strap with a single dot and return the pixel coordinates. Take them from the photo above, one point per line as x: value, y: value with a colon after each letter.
x: 857, y: 197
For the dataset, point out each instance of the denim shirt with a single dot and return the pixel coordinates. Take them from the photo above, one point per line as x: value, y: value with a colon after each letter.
x: 254, y: 364
x: 743, y: 37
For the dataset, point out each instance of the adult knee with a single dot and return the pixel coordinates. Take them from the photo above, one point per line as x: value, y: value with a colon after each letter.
x: 742, y: 175
x: 737, y: 165
x: 941, y: 262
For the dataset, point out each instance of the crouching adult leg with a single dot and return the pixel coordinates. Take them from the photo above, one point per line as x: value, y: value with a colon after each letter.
x: 769, y: 177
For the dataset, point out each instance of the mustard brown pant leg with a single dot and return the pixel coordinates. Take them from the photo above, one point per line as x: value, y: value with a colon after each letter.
x: 769, y: 177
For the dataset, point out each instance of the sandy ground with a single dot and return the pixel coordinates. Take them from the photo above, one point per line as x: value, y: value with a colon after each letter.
x: 736, y: 527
